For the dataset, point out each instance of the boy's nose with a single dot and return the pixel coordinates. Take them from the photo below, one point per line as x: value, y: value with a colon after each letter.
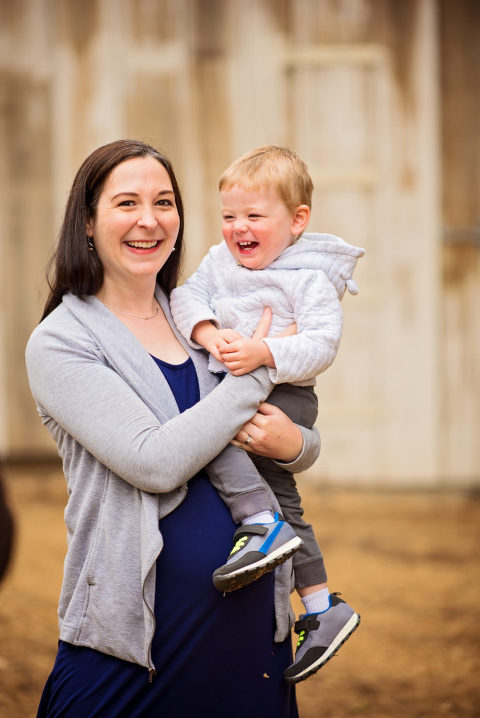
x: 240, y: 226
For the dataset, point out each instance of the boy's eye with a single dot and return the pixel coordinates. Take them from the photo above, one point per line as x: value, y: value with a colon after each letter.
x: 254, y: 216
x: 227, y: 217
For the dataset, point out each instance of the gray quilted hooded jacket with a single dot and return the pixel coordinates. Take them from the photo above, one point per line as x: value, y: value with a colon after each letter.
x: 304, y: 285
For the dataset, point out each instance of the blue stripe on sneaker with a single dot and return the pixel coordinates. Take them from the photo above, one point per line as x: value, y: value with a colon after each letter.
x: 264, y: 548
x: 317, y: 613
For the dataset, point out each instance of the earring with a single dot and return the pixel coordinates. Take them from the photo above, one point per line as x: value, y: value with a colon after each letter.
x: 173, y: 249
x: 90, y: 243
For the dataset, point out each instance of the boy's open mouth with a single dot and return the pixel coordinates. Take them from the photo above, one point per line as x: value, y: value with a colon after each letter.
x: 247, y: 246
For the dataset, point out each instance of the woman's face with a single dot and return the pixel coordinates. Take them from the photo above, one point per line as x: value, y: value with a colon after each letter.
x: 136, y: 222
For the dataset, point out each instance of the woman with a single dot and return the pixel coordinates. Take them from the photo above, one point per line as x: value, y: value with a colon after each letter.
x: 136, y: 414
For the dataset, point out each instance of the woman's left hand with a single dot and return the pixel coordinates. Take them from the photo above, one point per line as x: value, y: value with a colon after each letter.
x: 270, y: 433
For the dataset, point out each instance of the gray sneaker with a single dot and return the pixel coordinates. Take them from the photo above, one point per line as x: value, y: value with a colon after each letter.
x: 319, y: 637
x: 257, y: 549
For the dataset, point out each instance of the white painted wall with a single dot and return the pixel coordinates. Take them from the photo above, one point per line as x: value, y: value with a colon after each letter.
x: 206, y: 81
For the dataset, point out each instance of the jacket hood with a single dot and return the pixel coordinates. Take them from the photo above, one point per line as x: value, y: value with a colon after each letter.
x: 327, y: 252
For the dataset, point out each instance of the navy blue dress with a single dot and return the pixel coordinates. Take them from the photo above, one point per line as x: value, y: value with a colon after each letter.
x: 215, y: 655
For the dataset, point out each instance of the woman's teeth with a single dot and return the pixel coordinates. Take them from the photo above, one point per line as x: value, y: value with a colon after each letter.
x: 143, y: 245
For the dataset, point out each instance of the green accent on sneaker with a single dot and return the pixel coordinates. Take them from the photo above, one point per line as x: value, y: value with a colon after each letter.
x: 239, y: 544
x: 301, y: 638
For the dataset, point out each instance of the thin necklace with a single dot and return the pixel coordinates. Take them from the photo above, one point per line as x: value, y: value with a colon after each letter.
x: 135, y: 316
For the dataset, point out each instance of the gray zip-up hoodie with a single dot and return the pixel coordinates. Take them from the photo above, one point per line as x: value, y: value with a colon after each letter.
x: 123, y: 447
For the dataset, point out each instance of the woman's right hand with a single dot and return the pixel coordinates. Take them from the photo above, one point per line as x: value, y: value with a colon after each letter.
x: 290, y: 331
x: 270, y: 433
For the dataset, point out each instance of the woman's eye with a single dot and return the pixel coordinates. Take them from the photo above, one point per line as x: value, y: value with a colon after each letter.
x: 165, y: 203
x: 126, y: 203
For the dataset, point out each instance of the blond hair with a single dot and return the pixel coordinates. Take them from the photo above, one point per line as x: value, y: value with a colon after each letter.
x: 272, y: 166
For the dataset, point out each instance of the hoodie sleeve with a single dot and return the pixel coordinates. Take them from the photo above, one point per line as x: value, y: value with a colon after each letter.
x: 79, y: 396
x: 318, y: 315
x: 309, y: 453
x: 190, y: 303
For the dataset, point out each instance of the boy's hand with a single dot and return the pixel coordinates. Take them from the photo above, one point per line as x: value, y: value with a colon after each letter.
x: 211, y: 338
x: 244, y: 355
x: 239, y: 354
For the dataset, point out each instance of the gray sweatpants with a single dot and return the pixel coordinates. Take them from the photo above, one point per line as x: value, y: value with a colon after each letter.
x: 240, y: 480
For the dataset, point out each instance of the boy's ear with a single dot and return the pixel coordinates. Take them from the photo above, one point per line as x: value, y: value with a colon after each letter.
x: 301, y: 218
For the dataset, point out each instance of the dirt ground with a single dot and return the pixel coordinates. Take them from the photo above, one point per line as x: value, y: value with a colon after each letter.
x: 408, y: 562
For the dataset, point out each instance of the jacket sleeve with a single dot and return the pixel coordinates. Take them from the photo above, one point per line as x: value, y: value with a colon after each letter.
x: 78, y: 395
x: 309, y: 453
x: 190, y: 302
x: 318, y: 315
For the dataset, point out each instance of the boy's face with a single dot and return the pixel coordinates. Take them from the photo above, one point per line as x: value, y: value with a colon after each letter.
x: 257, y: 226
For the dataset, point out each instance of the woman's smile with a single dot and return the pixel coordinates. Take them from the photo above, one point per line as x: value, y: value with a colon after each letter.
x: 143, y: 246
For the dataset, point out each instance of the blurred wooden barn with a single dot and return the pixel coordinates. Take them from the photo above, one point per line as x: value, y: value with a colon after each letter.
x: 382, y: 99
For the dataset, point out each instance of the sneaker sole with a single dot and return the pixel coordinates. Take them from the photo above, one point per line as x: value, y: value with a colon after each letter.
x: 351, y: 625
x: 244, y: 576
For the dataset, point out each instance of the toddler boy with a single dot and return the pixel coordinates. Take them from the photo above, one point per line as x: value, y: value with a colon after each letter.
x: 266, y: 260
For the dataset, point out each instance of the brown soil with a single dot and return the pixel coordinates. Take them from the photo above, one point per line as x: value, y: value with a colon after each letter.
x: 408, y: 562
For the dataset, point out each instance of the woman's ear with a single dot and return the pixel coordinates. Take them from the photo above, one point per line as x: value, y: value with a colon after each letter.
x: 89, y: 228
x: 301, y: 218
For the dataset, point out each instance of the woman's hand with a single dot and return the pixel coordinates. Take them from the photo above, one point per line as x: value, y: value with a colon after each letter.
x: 263, y: 326
x: 272, y: 434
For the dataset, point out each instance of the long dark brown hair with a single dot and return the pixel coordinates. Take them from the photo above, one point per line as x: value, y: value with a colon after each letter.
x: 73, y: 267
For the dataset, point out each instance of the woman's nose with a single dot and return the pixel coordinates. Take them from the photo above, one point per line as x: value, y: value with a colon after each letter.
x: 147, y: 218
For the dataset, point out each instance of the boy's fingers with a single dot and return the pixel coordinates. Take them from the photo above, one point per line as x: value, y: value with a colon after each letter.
x: 216, y: 353
x: 232, y: 365
x: 229, y: 348
x: 230, y: 335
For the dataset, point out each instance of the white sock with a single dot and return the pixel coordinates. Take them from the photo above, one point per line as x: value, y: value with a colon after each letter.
x: 263, y: 517
x: 317, y: 602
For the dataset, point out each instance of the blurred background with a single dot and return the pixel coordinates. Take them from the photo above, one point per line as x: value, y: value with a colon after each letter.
x: 382, y: 100
x: 380, y: 97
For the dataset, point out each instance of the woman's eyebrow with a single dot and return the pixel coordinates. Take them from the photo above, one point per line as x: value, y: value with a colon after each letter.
x: 136, y: 194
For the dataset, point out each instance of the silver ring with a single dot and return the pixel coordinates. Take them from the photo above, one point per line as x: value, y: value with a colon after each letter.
x: 248, y: 440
